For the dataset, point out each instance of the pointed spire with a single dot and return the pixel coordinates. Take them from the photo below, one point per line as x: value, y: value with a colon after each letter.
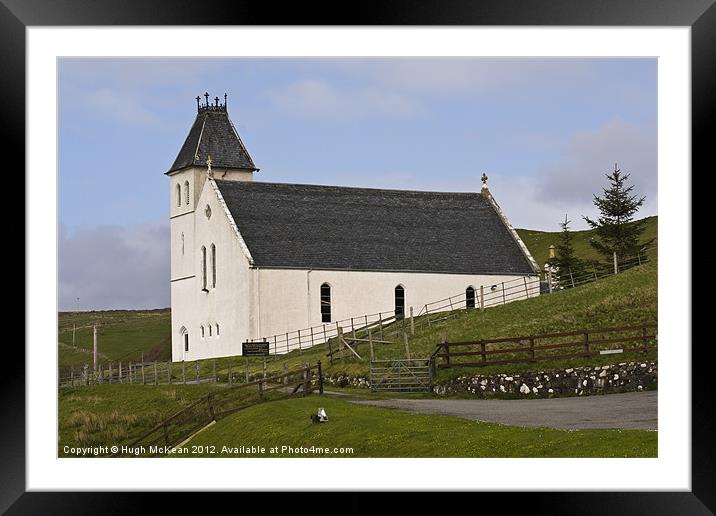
x: 484, y: 181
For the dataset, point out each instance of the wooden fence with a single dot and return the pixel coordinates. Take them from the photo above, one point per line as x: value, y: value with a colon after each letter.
x: 547, y: 346
x: 179, y: 427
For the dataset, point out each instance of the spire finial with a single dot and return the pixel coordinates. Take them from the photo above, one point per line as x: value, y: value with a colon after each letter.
x: 216, y: 101
x: 206, y: 96
x: 224, y: 100
x: 197, y: 102
x: 484, y: 181
x: 208, y: 167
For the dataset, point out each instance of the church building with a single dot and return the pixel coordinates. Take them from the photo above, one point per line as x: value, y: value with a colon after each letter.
x: 253, y: 259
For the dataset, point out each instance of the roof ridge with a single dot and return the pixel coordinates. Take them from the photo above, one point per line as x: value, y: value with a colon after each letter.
x: 341, y: 187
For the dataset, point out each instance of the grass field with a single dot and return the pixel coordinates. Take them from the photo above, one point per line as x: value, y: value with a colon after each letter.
x: 380, y: 432
x: 116, y: 414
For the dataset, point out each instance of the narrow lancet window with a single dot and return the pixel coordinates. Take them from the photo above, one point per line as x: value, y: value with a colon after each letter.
x: 399, y: 302
x: 470, y: 297
x: 325, y: 303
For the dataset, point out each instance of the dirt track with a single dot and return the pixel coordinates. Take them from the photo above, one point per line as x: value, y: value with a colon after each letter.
x: 628, y: 410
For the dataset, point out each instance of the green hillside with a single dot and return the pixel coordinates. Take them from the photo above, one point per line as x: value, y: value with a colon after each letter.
x: 121, y: 335
x: 538, y: 242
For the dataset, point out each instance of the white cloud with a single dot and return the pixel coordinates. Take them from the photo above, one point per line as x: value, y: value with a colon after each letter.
x: 315, y: 98
x: 113, y: 267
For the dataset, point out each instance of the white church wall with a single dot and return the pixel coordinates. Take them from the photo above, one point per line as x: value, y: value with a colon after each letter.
x: 228, y: 304
x: 290, y: 299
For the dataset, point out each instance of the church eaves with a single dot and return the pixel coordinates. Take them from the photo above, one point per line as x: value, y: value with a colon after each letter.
x: 213, y: 134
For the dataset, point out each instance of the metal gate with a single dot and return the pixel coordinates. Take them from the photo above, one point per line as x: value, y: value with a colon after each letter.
x: 404, y: 375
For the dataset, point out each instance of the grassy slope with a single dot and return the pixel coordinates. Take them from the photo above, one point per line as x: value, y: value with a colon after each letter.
x: 116, y: 414
x: 538, y: 242
x: 380, y: 432
x: 121, y: 335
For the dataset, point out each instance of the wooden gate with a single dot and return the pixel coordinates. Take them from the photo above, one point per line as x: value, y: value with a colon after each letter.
x: 403, y: 375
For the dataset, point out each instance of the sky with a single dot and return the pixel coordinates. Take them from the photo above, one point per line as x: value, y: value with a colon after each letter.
x: 545, y: 131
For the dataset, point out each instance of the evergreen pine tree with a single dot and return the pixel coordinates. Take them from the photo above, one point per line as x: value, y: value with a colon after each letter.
x: 616, y: 230
x: 565, y: 259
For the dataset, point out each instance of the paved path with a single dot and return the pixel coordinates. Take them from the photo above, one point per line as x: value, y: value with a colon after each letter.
x: 625, y: 410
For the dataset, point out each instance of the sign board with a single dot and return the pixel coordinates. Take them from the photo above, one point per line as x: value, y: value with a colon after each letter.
x: 255, y: 349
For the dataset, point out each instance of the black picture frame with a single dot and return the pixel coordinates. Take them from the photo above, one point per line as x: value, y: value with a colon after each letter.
x: 700, y: 15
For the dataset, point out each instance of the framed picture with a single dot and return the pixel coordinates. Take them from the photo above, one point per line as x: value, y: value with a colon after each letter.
x: 348, y: 279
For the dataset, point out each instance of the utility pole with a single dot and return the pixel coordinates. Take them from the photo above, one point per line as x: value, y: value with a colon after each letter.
x: 74, y: 324
x: 94, y: 350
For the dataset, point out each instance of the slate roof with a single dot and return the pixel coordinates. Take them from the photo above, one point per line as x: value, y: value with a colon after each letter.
x: 213, y: 134
x: 329, y: 227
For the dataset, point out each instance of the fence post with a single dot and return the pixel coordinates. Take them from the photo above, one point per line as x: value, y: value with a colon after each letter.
x: 504, y: 299
x: 586, y: 342
x: 527, y: 291
x: 275, y: 344
x: 370, y: 341
x: 616, y: 267
x: 299, y: 342
x: 156, y: 378
x: 119, y: 372
x: 311, y: 336
x: 261, y: 388
x: 305, y: 379
x: 86, y: 374
x: 571, y: 276
x: 130, y: 373
x: 407, y: 347
x: 380, y: 325
x: 288, y: 348
x: 532, y: 349
x: 264, y: 370
x: 549, y: 279
x: 412, y: 322
x: 483, y: 349
x: 482, y: 297
x: 446, y: 348
x: 109, y: 374
x: 320, y: 378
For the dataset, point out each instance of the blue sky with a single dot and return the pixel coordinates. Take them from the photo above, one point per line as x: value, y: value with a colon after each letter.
x: 544, y: 130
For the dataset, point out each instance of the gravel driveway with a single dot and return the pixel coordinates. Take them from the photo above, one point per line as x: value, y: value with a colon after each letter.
x: 625, y: 410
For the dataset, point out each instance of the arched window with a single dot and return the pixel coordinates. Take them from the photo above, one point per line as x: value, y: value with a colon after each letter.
x: 178, y: 195
x: 213, y: 266
x: 202, y: 331
x: 325, y: 303
x: 185, y: 337
x: 470, y: 297
x: 399, y: 302
x: 186, y: 191
x: 203, y: 268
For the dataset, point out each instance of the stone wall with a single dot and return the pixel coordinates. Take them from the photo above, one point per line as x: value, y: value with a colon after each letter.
x: 577, y: 381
